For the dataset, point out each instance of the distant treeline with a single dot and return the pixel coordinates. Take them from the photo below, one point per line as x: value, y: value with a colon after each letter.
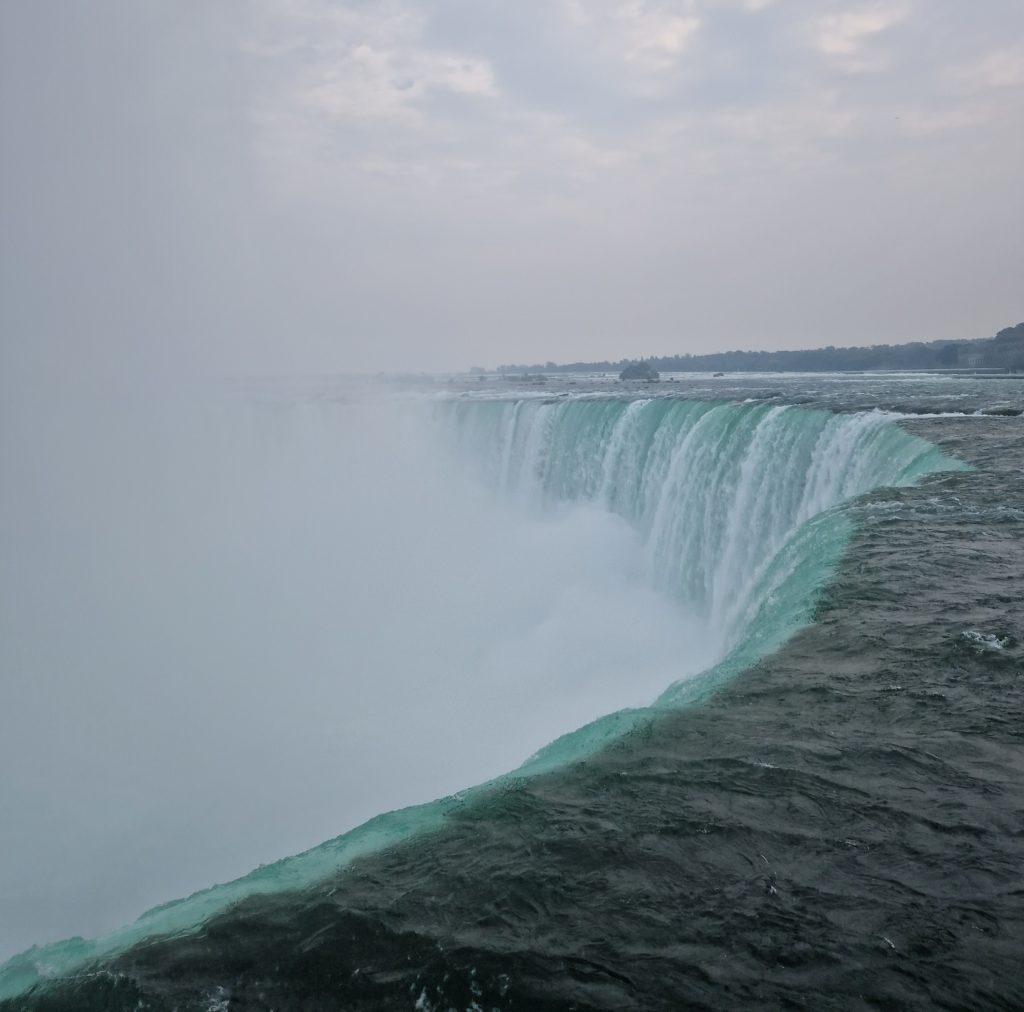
x: 1004, y: 351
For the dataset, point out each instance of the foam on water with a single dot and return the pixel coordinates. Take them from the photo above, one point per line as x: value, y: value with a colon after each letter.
x: 985, y: 641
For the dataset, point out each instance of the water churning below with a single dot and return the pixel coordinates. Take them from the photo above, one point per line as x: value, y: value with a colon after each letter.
x: 735, y: 513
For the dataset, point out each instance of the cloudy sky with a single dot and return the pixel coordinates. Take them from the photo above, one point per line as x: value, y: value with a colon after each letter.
x: 303, y: 185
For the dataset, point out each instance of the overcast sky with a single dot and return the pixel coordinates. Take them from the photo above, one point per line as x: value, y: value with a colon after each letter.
x: 304, y: 185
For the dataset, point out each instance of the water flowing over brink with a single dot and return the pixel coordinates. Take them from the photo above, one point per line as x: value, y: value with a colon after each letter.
x: 734, y: 503
x: 738, y: 511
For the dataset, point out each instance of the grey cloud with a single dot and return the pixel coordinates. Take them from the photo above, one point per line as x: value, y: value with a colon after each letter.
x: 302, y: 185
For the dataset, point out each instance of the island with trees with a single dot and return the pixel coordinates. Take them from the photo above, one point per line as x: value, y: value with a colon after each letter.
x: 641, y: 370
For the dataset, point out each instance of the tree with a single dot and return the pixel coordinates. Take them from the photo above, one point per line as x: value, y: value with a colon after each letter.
x: 640, y: 371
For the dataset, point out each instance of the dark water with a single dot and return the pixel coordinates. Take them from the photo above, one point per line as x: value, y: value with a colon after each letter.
x: 841, y: 827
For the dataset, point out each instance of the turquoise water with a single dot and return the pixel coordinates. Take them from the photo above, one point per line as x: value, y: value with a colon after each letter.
x: 739, y: 514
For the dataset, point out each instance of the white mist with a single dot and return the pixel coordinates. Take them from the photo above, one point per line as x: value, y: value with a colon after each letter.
x: 233, y: 628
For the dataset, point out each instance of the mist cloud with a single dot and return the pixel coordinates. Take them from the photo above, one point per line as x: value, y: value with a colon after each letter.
x: 231, y: 630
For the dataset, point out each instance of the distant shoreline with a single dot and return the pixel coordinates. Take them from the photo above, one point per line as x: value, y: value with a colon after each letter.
x: 1000, y: 355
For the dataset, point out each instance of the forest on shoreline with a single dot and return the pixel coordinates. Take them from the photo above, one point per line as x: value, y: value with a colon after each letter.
x: 1004, y: 351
